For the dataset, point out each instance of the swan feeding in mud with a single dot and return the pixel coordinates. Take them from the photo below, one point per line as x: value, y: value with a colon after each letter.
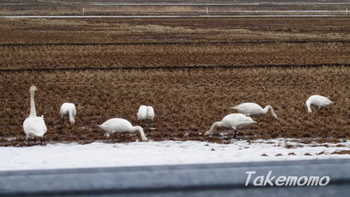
x: 234, y: 121
x: 250, y: 109
x: 317, y: 100
x: 68, y: 109
x: 121, y: 125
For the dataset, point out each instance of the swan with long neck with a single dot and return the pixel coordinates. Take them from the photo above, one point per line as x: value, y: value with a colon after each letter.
x: 68, y: 109
x: 33, y: 125
x: 233, y: 121
x: 121, y: 125
x: 251, y: 109
x: 32, y: 90
x: 317, y: 100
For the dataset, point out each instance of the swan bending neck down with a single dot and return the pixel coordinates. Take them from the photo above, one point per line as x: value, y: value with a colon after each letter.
x: 269, y: 108
x: 308, y: 106
x: 71, y: 117
x: 121, y: 125
x: 254, y: 109
x: 68, y: 109
x: 234, y: 121
x: 317, y: 100
x: 33, y: 125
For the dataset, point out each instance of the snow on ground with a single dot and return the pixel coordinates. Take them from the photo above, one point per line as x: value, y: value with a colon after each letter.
x: 158, y: 153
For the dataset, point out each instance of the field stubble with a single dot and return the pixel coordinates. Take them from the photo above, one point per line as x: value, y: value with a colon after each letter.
x: 109, y: 42
x: 186, y: 102
x: 173, y: 55
x: 110, y: 7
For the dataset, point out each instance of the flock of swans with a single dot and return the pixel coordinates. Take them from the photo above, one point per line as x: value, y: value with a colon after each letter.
x: 34, y: 126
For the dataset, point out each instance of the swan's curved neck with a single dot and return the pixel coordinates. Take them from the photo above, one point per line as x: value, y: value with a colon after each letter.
x: 308, y: 105
x: 71, y: 117
x: 142, y: 133
x: 32, y: 104
x: 213, y: 126
x: 269, y: 107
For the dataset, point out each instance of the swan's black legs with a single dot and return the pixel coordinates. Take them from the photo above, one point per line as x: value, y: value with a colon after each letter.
x: 28, y: 140
x: 43, y: 140
x: 107, y: 137
x: 235, y: 133
x: 147, y: 126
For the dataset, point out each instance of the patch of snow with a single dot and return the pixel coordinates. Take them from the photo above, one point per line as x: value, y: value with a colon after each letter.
x: 98, y: 154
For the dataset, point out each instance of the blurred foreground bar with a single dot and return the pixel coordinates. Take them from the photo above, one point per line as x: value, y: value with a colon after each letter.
x: 225, y: 179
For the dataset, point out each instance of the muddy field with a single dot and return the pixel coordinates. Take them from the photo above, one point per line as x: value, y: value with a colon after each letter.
x: 48, y: 43
x: 186, y: 101
x: 177, y: 7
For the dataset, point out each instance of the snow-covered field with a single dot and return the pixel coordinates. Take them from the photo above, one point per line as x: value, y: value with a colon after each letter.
x: 176, y: 16
x: 166, y: 152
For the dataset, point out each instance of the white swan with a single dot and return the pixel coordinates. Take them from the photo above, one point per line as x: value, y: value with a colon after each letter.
x: 250, y: 109
x: 142, y: 112
x: 234, y: 121
x: 145, y: 113
x: 68, y: 109
x: 33, y: 125
x: 317, y: 100
x: 121, y: 125
x: 150, y: 113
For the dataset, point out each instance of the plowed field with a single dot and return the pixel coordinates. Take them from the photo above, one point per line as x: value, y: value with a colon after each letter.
x: 186, y: 101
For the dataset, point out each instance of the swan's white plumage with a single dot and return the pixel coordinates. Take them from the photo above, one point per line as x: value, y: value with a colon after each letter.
x: 142, y: 112
x: 250, y: 109
x: 68, y: 109
x: 33, y: 125
x: 145, y: 113
x: 121, y: 125
x: 234, y: 121
x: 317, y: 100
x: 150, y: 112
